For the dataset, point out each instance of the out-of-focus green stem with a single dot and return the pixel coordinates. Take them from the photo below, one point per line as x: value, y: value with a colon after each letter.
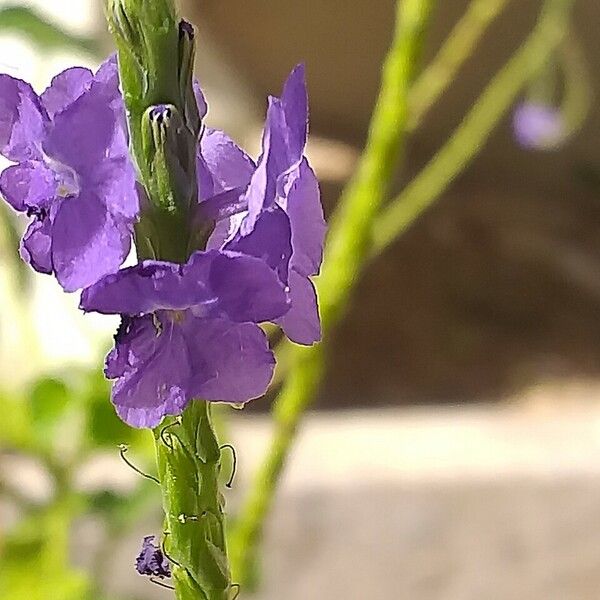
x: 474, y: 130
x: 348, y: 245
x: 456, y: 49
x: 578, y: 90
x: 427, y: 88
x: 305, y: 364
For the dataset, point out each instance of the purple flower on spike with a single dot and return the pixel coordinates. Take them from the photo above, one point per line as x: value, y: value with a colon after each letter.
x: 272, y: 209
x: 73, y: 174
x: 188, y: 331
x: 538, y: 126
x: 151, y: 560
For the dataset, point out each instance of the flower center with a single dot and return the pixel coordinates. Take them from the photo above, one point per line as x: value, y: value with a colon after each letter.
x: 68, y: 181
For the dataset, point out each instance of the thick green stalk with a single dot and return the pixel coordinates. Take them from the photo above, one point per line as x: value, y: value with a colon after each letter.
x: 189, y: 457
x: 156, y: 65
x: 348, y: 245
x: 303, y: 364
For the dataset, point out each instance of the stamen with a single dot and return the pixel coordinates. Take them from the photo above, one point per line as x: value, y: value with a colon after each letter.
x: 156, y: 581
x: 234, y: 466
x: 123, y: 448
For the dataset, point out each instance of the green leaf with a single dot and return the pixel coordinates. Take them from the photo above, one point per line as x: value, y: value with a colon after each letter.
x: 104, y: 428
x: 49, y: 401
x: 34, y: 559
x: 43, y: 33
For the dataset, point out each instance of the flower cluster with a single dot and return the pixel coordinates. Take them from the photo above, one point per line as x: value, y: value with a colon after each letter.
x: 188, y: 330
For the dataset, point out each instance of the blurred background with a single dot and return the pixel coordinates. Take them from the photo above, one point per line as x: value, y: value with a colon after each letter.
x: 454, y: 452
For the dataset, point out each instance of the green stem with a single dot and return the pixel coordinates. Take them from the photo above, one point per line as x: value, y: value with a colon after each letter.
x: 189, y: 456
x: 348, y: 245
x: 350, y: 229
x: 304, y: 377
x: 471, y: 134
x: 456, y: 49
x: 156, y: 65
x: 426, y: 90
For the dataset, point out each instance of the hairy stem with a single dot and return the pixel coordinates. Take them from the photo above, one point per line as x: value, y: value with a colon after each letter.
x: 348, y: 245
x: 188, y: 456
x: 304, y: 376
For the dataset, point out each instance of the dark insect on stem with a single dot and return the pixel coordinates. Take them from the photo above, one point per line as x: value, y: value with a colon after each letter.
x: 234, y: 467
x: 122, y: 450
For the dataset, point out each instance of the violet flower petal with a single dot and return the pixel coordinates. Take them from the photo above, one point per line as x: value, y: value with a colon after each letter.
x: 151, y: 560
x: 283, y: 143
x: 221, y: 164
x: 538, y: 126
x: 36, y: 245
x: 65, y: 88
x: 87, y: 242
x: 151, y: 362
x: 302, y: 203
x: 23, y: 120
x: 213, y: 282
x: 301, y: 323
x: 82, y: 134
x: 270, y: 240
x: 28, y: 185
x: 236, y: 356
x: 115, y: 184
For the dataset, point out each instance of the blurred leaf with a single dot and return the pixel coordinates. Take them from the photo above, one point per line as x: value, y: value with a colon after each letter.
x: 49, y: 400
x: 35, y: 559
x: 104, y: 426
x: 43, y: 33
x: 123, y: 511
x: 22, y: 270
x: 16, y: 430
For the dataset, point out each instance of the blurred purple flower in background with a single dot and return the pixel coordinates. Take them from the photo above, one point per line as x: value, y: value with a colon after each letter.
x: 538, y: 126
x: 151, y: 560
x: 72, y: 174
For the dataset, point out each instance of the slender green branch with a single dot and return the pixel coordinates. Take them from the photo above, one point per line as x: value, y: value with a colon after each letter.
x: 350, y: 228
x: 456, y: 49
x: 474, y: 130
x: 426, y: 90
x: 305, y: 363
x: 348, y: 246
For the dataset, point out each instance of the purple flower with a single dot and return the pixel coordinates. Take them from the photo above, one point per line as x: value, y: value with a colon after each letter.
x: 188, y: 331
x: 151, y: 560
x: 538, y: 126
x: 72, y: 174
x: 272, y: 209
